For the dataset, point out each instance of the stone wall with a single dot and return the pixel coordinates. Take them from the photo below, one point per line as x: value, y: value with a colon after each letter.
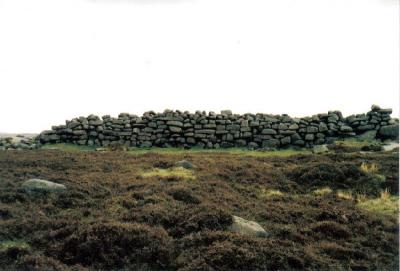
x: 211, y: 130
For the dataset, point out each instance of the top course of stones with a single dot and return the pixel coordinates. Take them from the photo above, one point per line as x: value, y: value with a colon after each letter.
x: 211, y: 130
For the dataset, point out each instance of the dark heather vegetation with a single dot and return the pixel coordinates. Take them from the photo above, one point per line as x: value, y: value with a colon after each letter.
x: 137, y: 211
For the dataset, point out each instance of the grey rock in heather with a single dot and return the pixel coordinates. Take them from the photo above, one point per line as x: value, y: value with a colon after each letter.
x: 42, y: 186
x: 185, y: 164
x: 247, y: 227
x: 389, y: 131
x: 317, y: 149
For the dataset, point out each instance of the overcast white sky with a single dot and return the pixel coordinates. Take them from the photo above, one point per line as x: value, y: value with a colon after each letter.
x: 65, y: 58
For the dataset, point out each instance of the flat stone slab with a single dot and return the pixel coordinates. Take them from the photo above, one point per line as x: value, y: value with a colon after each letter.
x: 391, y: 146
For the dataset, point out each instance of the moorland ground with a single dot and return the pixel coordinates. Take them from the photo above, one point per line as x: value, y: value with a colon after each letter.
x: 138, y: 211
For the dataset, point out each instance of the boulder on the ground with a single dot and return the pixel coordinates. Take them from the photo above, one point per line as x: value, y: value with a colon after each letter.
x: 389, y: 131
x: 247, y: 227
x: 42, y: 186
x: 320, y: 149
x: 185, y: 164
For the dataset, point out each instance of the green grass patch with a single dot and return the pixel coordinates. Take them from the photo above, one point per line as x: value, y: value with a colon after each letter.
x: 68, y: 147
x: 232, y: 151
x: 195, y: 150
x: 7, y: 244
x: 178, y: 172
x: 270, y: 193
x: 322, y: 191
x: 385, y: 204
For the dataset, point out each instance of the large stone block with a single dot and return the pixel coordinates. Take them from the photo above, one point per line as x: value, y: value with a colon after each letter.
x: 389, y: 131
x: 268, y: 132
x: 175, y: 123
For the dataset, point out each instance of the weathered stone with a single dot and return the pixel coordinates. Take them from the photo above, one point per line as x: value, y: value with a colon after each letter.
x: 312, y: 129
x: 320, y: 149
x: 309, y: 137
x: 146, y: 144
x: 295, y: 137
x: 375, y: 108
x: 287, y: 132
x: 270, y: 143
x: 286, y: 140
x: 78, y: 132
x: 175, y: 123
x: 200, y: 135
x: 299, y: 142
x: 252, y: 145
x: 209, y: 126
x: 268, y: 132
x: 221, y: 132
x: 233, y: 127
x: 271, y: 120
x: 322, y: 127
x: 245, y: 129
x: 185, y: 164
x: 247, y: 227
x: 73, y: 124
x: 229, y: 137
x: 365, y: 127
x: 37, y: 186
x: 175, y: 129
x: 205, y: 131
x: 254, y: 123
x: 97, y: 122
x: 389, y: 131
x: 345, y: 128
x: 241, y: 143
x: 387, y: 111
x: 226, y: 112
x: 283, y: 126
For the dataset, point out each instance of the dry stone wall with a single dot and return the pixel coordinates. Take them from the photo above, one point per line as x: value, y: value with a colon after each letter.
x: 211, y: 130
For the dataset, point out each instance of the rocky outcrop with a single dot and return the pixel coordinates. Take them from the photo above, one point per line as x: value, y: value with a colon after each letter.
x: 17, y: 142
x: 211, y: 130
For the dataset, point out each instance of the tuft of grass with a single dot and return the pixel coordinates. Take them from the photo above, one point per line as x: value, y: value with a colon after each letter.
x: 322, y: 191
x: 178, y: 172
x: 7, y: 244
x: 369, y: 168
x: 342, y: 194
x: 268, y: 193
x: 384, y: 204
